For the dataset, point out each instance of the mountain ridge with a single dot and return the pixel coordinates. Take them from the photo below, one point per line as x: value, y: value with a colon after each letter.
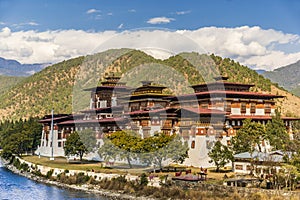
x: 10, y: 67
x: 57, y: 85
x: 287, y: 77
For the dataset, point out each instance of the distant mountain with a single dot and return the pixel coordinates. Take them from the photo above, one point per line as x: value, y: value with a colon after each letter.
x: 287, y: 77
x: 260, y: 71
x: 54, y: 86
x: 14, y: 68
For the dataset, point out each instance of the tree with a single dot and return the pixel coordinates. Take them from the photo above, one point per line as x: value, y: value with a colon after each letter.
x: 122, y: 144
x: 152, y: 150
x: 75, y: 146
x: 19, y: 136
x: 108, y: 150
x: 249, y: 137
x: 161, y: 147
x: 88, y: 138
x: 220, y: 155
x: 277, y: 133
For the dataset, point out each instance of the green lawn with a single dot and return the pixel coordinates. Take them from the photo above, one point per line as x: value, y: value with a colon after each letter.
x: 63, y: 164
x: 117, y: 168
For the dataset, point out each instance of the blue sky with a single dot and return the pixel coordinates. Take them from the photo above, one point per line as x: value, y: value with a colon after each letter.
x: 271, y: 27
x: 109, y: 15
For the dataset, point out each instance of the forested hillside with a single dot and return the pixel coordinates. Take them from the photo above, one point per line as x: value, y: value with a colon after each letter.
x: 7, y: 82
x: 287, y: 77
x: 56, y: 85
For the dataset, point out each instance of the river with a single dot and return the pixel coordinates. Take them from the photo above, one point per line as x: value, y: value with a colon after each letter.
x: 17, y: 187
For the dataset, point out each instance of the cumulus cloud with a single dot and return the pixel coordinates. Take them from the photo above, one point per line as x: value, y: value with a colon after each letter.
x: 49, y: 46
x: 93, y: 10
x: 5, y: 32
x: 252, y: 46
x: 160, y: 20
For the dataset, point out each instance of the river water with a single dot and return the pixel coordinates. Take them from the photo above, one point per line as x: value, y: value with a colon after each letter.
x: 17, y: 187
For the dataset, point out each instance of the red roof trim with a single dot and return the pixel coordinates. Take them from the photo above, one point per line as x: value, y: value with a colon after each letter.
x: 204, y: 111
x: 258, y: 117
x: 223, y: 83
x: 146, y: 111
x: 93, y: 121
x: 232, y: 92
x: 99, y: 109
x: 249, y: 117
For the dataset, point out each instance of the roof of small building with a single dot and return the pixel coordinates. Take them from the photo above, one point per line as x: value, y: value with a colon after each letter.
x: 273, y: 156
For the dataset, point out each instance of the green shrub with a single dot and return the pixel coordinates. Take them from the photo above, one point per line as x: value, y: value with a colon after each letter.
x: 82, y: 178
x: 16, y: 163
x: 24, y: 167
x: 143, y: 179
x: 49, y: 173
x: 120, y: 179
x: 37, y: 172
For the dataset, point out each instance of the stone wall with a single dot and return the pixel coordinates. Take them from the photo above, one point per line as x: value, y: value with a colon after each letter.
x: 98, y: 176
x: 244, y: 192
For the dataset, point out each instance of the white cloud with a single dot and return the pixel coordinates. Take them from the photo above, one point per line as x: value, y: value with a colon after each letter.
x: 160, y: 20
x: 120, y: 26
x: 132, y: 10
x: 251, y: 46
x: 32, y: 24
x: 5, y: 32
x: 110, y: 14
x: 93, y: 10
x: 49, y: 46
x: 182, y: 12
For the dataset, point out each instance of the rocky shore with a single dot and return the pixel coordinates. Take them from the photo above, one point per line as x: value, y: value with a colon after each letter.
x: 88, y: 188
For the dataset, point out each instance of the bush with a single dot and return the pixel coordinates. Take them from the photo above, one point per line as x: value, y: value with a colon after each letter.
x: 82, y: 178
x: 16, y: 163
x: 258, y: 196
x: 120, y: 179
x: 49, y: 173
x: 144, y: 179
x: 24, y: 167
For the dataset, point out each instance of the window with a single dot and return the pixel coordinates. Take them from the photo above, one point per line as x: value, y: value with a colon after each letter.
x: 193, y: 144
x: 228, y: 107
x: 252, y: 108
x: 228, y: 142
x: 267, y: 108
x: 248, y: 168
x: 243, y: 107
x: 59, y: 144
x: 239, y: 167
x: 204, y: 105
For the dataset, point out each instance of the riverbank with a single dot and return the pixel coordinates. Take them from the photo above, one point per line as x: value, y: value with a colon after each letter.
x: 117, y: 186
x: 87, y: 188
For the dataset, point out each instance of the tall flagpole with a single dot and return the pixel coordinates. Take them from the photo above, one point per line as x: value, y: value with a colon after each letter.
x: 52, y: 133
